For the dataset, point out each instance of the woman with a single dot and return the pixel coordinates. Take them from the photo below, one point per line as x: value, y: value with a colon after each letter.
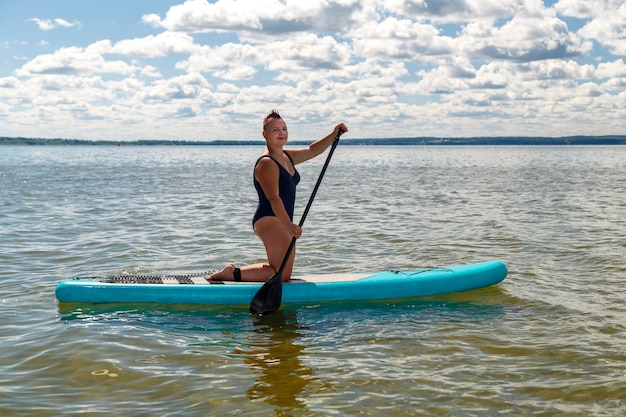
x: 275, y: 179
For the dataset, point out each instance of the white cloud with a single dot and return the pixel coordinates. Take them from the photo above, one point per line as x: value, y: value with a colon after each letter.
x: 72, y: 61
x: 614, y: 69
x: 185, y: 87
x: 163, y: 44
x: 150, y: 71
x: 606, y: 21
x: 584, y: 9
x: 300, y: 53
x: 200, y: 16
x: 224, y: 59
x: 414, y: 67
x: 305, y: 52
x: 400, y: 39
x: 523, y: 39
x: 609, y: 29
x: 51, y: 24
x: 268, y: 16
x: 9, y: 82
x: 457, y: 11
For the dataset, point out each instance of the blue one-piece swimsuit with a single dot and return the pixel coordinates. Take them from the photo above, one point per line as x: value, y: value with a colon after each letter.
x: 286, y: 189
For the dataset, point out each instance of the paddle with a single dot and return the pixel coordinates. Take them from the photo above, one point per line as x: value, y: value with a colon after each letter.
x: 268, y: 298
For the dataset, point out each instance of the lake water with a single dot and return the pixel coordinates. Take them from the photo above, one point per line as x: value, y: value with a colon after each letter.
x: 550, y: 340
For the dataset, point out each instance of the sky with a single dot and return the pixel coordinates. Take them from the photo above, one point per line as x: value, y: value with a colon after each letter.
x: 211, y: 70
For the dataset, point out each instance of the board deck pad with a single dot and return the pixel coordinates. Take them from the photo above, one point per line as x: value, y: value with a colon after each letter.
x: 187, y: 279
x: 199, y: 278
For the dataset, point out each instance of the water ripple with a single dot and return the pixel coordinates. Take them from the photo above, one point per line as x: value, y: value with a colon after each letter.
x: 547, y: 341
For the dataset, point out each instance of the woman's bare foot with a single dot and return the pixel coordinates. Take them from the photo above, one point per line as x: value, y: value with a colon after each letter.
x: 226, y: 274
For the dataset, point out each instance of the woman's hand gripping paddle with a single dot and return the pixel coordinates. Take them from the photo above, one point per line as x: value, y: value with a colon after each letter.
x: 268, y: 298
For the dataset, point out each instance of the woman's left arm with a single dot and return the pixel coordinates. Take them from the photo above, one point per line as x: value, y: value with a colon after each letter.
x: 317, y: 147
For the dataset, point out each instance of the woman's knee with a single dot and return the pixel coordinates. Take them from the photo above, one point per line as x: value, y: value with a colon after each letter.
x: 276, y: 241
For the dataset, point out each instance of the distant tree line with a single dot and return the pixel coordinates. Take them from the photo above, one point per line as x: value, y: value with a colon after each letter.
x: 491, y: 140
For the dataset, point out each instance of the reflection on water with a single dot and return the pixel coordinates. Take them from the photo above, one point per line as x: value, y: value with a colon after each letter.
x: 295, y: 359
x: 547, y: 341
x: 273, y: 354
x: 268, y: 345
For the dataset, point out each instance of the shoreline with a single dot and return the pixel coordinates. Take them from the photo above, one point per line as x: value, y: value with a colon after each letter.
x: 404, y: 141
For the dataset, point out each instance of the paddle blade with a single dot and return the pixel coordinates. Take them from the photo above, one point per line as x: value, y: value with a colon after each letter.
x: 268, y: 298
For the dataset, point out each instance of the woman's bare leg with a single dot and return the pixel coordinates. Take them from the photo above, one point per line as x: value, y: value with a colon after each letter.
x: 276, y: 241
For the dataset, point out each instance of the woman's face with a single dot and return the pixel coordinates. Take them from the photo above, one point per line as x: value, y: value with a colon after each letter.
x: 276, y: 131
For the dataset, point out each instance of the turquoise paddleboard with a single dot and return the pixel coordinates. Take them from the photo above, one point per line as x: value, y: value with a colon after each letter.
x: 195, y: 289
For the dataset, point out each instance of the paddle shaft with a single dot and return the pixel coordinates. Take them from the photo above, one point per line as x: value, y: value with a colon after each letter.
x: 269, y: 296
x: 308, y: 206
